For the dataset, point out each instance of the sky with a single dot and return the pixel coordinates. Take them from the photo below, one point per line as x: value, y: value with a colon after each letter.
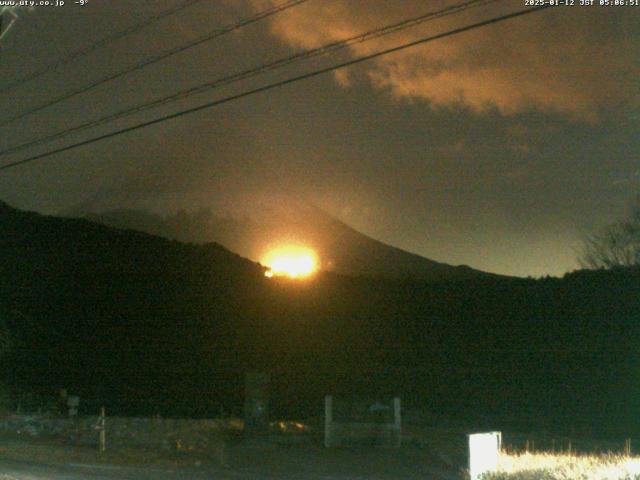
x: 498, y: 148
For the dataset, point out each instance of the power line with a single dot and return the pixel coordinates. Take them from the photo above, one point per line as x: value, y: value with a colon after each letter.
x: 278, y: 84
x: 252, y: 72
x: 163, y: 55
x: 97, y: 45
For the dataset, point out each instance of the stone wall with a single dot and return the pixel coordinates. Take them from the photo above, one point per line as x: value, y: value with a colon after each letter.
x: 151, y: 433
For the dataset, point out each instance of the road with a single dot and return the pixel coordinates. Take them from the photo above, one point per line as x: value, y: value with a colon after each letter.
x: 22, y: 460
x: 21, y: 470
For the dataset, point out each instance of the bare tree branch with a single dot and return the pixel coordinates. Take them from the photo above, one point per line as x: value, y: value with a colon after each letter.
x: 618, y: 245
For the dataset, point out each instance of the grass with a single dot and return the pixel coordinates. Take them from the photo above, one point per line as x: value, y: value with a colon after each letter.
x: 548, y: 466
x: 51, y: 451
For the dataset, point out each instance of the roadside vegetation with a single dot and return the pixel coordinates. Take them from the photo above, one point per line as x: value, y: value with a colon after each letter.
x: 562, y: 466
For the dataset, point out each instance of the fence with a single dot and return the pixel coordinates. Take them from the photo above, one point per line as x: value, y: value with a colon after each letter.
x: 152, y: 433
x: 362, y: 422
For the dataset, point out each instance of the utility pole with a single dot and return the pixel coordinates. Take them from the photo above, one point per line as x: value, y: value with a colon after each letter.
x: 10, y: 15
x: 7, y: 12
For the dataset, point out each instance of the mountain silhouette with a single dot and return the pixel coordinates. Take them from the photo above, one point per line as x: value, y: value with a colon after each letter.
x: 340, y: 248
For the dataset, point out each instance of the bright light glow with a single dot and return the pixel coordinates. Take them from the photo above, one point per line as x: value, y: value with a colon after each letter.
x: 291, y: 261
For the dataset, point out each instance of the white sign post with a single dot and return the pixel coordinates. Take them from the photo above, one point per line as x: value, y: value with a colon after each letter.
x: 484, y: 449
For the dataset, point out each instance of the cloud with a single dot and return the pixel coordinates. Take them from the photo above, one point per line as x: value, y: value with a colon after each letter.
x: 575, y: 61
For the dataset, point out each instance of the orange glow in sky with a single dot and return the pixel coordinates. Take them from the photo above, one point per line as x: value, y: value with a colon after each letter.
x: 291, y: 261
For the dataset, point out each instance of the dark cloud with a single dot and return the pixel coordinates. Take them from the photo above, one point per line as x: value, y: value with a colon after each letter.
x: 574, y: 61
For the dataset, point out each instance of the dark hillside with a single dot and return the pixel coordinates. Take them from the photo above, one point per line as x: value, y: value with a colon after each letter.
x: 341, y: 248
x: 148, y: 325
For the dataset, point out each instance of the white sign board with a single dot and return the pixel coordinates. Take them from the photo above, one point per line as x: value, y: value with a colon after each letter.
x: 484, y: 449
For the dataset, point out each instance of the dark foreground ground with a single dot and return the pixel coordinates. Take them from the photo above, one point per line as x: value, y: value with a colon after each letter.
x: 24, y: 459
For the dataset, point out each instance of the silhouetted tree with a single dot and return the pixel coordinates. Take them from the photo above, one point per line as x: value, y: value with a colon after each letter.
x: 6, y: 345
x: 618, y: 245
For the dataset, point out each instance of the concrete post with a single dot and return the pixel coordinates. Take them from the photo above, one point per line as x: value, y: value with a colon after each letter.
x: 103, y: 431
x: 328, y: 421
x: 397, y: 421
